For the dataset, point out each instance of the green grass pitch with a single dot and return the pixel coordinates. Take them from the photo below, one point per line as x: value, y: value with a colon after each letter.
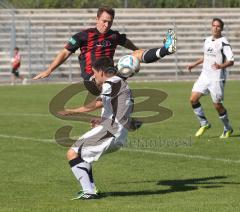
x: 163, y: 167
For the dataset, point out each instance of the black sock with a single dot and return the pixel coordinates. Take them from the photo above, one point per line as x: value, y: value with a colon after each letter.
x: 152, y: 55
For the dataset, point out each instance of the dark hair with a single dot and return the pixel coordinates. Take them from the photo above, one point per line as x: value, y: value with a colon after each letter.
x: 105, y: 64
x: 220, y: 21
x: 16, y: 48
x: 106, y: 9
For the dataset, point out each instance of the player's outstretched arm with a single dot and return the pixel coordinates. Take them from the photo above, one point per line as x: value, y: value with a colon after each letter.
x: 94, y: 105
x: 60, y: 58
x: 191, y: 66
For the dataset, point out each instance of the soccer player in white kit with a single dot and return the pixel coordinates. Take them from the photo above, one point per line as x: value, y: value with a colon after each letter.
x: 217, y: 57
x: 109, y: 133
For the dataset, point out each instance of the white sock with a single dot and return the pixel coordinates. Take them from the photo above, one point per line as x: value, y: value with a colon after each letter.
x: 225, y: 120
x: 81, y: 170
x: 200, y: 114
x: 91, y: 178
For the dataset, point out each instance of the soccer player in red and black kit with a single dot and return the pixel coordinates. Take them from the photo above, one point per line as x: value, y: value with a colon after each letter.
x: 98, y: 42
x: 101, y: 41
x: 94, y: 43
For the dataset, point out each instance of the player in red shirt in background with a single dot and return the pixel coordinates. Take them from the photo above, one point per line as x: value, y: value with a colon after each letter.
x: 15, y: 63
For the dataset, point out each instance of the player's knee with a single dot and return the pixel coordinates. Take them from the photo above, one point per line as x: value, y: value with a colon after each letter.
x: 193, y: 100
x: 71, y: 154
x: 138, y: 54
x: 219, y: 107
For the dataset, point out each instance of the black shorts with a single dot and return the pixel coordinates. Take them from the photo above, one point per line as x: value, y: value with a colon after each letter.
x: 15, y: 72
x: 92, y: 87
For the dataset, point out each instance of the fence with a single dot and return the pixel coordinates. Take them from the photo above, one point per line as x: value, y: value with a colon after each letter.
x: 41, y: 34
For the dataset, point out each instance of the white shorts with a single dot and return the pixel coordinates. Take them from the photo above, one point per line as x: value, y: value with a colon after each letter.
x: 99, y: 141
x: 215, y: 88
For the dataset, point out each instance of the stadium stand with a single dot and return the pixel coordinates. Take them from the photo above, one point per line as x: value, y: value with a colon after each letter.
x: 41, y: 33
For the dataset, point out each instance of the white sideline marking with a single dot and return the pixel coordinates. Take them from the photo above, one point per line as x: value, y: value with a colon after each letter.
x: 135, y: 150
x: 27, y: 138
x: 184, y: 155
x: 26, y: 114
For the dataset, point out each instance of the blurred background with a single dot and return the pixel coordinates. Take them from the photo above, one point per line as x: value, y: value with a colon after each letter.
x: 41, y: 28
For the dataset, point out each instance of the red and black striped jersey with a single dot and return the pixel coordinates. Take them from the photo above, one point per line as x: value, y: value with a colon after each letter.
x: 94, y: 45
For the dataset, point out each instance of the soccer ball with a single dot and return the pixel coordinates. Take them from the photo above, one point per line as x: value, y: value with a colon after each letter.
x: 128, y: 65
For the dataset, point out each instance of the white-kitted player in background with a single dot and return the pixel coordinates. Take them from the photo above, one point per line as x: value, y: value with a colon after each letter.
x: 217, y: 57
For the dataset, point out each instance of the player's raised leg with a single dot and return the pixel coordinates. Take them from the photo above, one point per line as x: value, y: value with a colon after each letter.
x: 154, y: 54
x: 170, y: 41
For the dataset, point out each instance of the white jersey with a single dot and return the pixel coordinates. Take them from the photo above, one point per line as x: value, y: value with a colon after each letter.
x: 117, y: 101
x: 111, y: 133
x: 216, y: 51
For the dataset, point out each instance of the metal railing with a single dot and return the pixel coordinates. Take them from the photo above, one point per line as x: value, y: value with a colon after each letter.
x: 39, y: 42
